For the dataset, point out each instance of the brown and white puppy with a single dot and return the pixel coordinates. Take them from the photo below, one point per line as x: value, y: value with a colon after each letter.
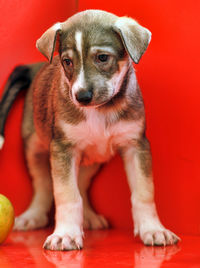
x: 80, y: 110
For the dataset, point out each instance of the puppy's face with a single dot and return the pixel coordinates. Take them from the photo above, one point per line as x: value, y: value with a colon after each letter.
x: 96, y: 49
x: 94, y: 61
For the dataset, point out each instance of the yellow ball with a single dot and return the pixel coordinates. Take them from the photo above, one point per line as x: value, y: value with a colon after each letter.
x: 6, y: 217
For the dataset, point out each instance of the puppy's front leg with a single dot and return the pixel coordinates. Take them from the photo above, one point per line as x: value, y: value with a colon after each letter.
x: 138, y: 166
x: 69, y: 212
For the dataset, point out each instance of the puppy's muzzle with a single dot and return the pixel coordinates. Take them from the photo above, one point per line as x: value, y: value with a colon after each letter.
x: 84, y: 97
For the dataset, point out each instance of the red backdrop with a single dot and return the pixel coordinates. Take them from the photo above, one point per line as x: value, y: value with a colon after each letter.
x: 169, y: 78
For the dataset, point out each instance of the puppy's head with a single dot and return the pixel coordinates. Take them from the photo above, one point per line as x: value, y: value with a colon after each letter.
x: 95, y: 49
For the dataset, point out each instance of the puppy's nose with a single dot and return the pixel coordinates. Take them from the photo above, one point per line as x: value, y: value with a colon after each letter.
x: 84, y: 96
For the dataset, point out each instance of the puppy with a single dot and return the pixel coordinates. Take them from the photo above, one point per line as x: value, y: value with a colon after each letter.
x: 80, y: 110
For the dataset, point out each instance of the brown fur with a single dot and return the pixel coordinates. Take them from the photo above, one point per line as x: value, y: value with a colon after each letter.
x: 144, y: 155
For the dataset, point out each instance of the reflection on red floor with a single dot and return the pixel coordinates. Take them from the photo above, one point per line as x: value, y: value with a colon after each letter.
x: 110, y: 248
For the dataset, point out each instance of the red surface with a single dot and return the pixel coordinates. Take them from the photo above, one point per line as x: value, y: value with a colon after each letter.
x: 109, y: 248
x: 169, y: 77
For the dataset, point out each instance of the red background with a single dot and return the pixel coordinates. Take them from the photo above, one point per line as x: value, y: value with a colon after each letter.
x: 169, y: 78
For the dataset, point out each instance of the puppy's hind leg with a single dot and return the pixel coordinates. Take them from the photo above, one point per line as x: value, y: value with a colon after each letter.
x: 36, y: 216
x: 92, y: 220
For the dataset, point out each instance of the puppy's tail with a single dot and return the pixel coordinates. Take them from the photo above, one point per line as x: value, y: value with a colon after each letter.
x: 19, y: 79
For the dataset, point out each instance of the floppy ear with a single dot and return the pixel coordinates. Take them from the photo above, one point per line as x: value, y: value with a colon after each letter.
x: 48, y: 42
x: 134, y: 37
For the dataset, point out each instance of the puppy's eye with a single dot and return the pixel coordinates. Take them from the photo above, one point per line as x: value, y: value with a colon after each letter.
x: 68, y: 62
x: 103, y: 57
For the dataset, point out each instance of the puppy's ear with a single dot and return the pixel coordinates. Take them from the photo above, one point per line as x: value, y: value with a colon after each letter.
x: 134, y: 37
x: 48, y: 42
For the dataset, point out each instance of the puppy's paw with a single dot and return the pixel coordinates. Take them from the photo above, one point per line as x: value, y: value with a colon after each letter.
x: 65, y: 242
x: 30, y: 220
x: 94, y: 221
x: 158, y: 237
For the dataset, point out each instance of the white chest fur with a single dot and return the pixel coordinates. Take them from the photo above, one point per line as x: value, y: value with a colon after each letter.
x: 98, y: 142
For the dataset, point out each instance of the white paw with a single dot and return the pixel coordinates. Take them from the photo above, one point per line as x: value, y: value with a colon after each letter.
x: 30, y: 220
x: 64, y: 242
x: 94, y: 221
x: 148, y: 226
x: 162, y: 237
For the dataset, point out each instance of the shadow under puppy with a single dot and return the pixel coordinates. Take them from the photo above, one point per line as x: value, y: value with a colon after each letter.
x: 80, y: 110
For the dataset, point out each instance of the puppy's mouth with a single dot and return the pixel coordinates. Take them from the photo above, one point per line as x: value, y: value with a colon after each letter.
x: 89, y: 105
